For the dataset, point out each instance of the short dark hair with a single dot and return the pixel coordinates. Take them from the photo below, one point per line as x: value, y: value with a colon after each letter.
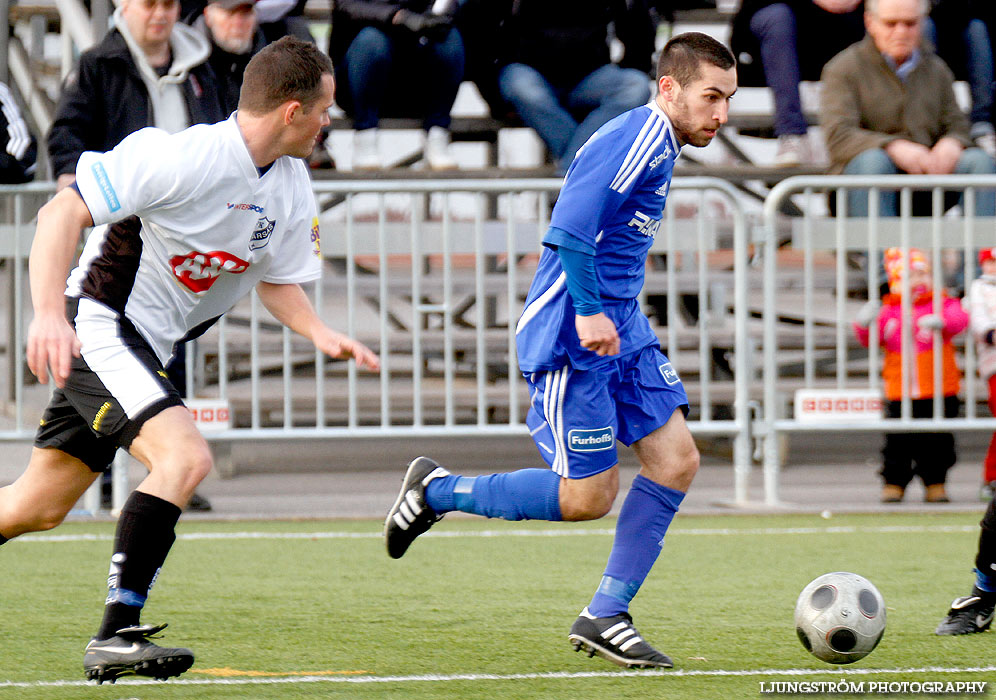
x: 682, y: 57
x: 288, y: 69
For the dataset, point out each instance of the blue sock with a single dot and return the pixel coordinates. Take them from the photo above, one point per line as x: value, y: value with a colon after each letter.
x: 526, y: 494
x: 645, y: 516
x: 984, y: 582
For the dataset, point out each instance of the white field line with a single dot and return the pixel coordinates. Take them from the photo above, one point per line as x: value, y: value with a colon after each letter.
x: 553, y: 675
x: 511, y: 532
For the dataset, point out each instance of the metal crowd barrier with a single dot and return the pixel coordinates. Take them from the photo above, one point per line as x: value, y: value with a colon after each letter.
x: 432, y: 276
x: 818, y: 270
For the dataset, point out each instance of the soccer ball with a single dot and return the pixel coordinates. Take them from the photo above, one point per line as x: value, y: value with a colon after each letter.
x: 840, y: 617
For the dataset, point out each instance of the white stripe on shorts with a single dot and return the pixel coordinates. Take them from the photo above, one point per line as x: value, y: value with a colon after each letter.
x: 553, y: 409
x: 128, y: 380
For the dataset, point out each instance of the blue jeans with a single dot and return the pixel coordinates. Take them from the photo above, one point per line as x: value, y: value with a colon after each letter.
x: 775, y: 29
x: 978, y: 62
x: 374, y: 59
x: 549, y: 109
x: 875, y: 161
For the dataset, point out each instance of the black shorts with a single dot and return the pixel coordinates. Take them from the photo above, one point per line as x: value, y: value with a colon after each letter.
x: 112, y: 390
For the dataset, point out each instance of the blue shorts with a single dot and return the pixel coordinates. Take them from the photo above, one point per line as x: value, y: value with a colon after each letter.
x: 576, y: 416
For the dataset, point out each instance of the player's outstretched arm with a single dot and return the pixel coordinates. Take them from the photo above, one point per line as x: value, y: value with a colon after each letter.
x: 52, y: 342
x: 290, y: 305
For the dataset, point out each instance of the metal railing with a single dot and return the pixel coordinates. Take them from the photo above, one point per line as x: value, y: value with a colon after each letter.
x: 815, y: 264
x: 432, y: 281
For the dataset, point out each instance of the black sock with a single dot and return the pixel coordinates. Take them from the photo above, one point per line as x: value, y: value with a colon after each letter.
x: 144, y: 537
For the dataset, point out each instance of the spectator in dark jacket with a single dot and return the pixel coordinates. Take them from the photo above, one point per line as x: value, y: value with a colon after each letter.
x: 396, y: 57
x: 959, y: 33
x: 781, y: 42
x: 233, y: 30
x: 147, y: 71
x: 19, y: 146
x: 557, y: 72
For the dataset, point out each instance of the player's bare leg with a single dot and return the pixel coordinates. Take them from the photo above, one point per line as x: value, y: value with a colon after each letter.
x: 589, y: 498
x: 668, y: 456
x: 176, y: 454
x: 41, y: 497
x: 178, y: 458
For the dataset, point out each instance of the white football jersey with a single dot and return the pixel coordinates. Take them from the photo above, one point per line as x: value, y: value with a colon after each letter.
x: 195, y: 228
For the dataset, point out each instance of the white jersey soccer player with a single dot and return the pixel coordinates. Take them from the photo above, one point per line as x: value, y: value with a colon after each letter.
x: 218, y: 230
x: 191, y: 222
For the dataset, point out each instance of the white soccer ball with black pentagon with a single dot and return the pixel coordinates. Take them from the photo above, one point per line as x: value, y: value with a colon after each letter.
x: 840, y: 617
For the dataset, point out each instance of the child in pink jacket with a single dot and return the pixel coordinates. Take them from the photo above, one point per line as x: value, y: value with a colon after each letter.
x: 932, y: 453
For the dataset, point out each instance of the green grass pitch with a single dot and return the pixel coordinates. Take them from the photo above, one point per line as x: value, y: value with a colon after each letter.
x: 481, y: 609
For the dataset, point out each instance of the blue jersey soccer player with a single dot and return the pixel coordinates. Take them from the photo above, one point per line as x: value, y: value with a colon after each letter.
x: 593, y: 363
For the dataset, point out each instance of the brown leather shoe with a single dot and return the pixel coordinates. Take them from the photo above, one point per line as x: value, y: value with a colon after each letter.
x: 891, y: 493
x: 936, y: 493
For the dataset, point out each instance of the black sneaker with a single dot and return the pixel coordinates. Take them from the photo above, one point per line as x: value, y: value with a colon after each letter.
x: 968, y: 615
x: 130, y: 651
x: 410, y: 515
x: 198, y: 503
x: 616, y: 639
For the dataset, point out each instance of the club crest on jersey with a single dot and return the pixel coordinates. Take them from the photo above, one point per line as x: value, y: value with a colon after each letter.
x: 644, y: 224
x: 198, y: 271
x: 590, y: 440
x: 669, y: 374
x: 261, y: 234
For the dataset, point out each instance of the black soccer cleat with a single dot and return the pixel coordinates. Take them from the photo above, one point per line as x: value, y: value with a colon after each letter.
x: 616, y: 639
x: 410, y: 515
x: 968, y: 615
x: 131, y: 652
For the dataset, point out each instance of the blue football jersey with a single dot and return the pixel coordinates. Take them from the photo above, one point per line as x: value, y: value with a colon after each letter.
x: 612, y: 200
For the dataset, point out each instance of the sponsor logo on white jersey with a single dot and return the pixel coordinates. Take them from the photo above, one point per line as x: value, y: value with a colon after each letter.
x: 198, y: 271
x: 246, y: 207
x: 106, y: 188
x: 644, y: 224
x: 316, y: 238
x: 593, y: 440
x: 261, y: 234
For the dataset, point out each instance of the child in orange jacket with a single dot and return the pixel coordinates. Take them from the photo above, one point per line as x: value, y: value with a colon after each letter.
x: 933, y: 453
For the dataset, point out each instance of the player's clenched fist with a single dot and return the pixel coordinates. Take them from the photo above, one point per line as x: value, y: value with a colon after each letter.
x: 598, y: 334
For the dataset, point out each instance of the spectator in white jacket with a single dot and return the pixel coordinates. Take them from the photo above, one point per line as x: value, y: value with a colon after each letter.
x: 982, y: 298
